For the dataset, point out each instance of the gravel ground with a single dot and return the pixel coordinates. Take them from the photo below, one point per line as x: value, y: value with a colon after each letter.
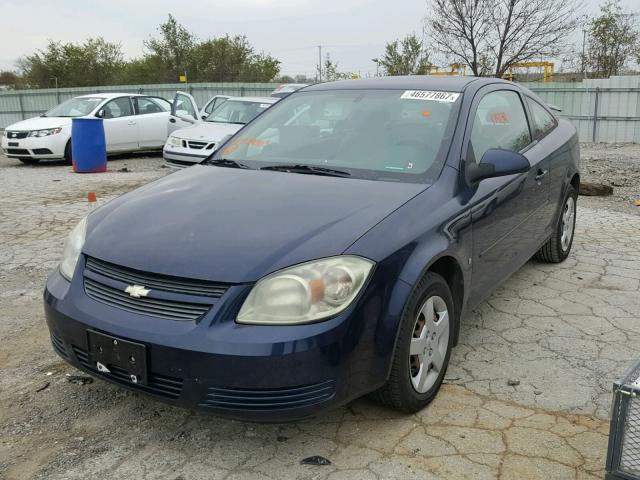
x: 527, y: 393
x: 617, y: 165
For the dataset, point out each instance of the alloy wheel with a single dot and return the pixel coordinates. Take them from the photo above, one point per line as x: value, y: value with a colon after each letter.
x: 568, y: 216
x: 429, y: 344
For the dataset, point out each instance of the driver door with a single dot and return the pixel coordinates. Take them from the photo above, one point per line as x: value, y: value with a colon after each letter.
x: 184, y: 112
x: 505, y: 211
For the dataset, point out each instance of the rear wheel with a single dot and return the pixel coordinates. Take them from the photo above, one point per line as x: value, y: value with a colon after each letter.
x: 29, y: 161
x: 423, y: 349
x: 559, y: 245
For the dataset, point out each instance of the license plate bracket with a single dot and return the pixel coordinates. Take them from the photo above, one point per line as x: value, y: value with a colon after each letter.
x: 14, y: 144
x: 123, y: 359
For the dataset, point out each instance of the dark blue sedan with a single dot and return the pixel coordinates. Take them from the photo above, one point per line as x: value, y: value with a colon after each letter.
x: 328, y: 250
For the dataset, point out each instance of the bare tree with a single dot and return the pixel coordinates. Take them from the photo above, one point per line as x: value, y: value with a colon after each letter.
x: 491, y: 35
x: 459, y: 29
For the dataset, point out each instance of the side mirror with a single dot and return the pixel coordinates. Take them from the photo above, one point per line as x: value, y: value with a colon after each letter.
x: 496, y: 162
x: 204, y: 116
x: 100, y: 113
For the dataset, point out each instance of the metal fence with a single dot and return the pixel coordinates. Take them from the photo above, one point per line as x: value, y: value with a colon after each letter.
x: 603, y: 110
x: 21, y: 104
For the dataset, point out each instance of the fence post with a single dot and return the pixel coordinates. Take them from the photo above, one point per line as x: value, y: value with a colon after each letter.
x: 595, y: 115
x: 242, y: 91
x: 21, y: 106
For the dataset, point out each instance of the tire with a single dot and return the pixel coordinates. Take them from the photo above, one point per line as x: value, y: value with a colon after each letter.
x: 558, y: 247
x: 29, y: 161
x: 67, y: 152
x: 401, y: 392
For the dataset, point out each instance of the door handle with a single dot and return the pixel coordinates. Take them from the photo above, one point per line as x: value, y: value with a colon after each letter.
x: 540, y: 175
x: 131, y: 123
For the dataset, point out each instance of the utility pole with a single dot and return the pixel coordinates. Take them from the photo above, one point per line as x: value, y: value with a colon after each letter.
x: 319, y: 63
x: 377, y: 62
x: 584, y: 63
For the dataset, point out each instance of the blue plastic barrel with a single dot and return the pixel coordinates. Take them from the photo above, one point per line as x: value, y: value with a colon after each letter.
x: 88, y: 147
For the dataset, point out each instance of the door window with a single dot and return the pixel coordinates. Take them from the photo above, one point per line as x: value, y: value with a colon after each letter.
x: 184, y: 107
x: 120, y: 107
x: 500, y: 122
x: 147, y: 105
x: 543, y: 121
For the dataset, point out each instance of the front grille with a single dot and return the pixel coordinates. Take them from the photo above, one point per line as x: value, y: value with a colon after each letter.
x: 169, y: 387
x: 271, y: 399
x: 58, y: 345
x: 156, y: 281
x: 16, y: 135
x: 196, y: 145
x: 17, y: 151
x: 167, y: 309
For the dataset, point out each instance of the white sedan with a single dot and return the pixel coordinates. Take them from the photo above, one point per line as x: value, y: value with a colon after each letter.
x: 131, y: 122
x: 193, y: 144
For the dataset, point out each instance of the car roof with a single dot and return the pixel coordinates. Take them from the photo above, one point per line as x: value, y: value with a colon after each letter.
x: 111, y: 95
x: 412, y: 82
x: 255, y: 99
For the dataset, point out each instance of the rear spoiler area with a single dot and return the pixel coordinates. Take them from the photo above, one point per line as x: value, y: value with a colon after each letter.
x: 553, y: 107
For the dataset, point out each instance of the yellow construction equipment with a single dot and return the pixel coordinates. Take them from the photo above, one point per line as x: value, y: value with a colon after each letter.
x: 547, y: 75
x: 453, y: 70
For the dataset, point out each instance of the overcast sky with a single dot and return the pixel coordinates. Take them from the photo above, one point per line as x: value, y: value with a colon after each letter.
x: 352, y: 31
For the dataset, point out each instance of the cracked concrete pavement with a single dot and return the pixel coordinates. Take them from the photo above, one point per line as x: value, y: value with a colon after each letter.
x: 527, y: 395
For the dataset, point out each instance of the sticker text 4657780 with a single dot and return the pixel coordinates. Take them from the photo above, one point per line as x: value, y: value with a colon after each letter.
x: 434, y: 96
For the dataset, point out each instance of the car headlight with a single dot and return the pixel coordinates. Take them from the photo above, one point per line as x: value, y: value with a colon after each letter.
x: 72, y: 248
x: 174, y: 141
x: 44, y: 133
x: 306, y: 292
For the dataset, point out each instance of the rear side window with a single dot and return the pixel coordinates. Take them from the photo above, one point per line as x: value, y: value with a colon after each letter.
x: 543, y: 121
x: 500, y: 122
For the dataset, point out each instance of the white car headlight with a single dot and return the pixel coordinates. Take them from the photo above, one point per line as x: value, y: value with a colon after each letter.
x: 174, y: 141
x: 306, y: 292
x: 45, y: 133
x: 72, y: 248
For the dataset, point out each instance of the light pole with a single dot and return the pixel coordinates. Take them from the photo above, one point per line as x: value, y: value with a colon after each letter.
x: 377, y: 62
x: 319, y: 63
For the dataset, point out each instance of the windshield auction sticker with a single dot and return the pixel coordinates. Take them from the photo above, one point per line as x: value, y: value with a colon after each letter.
x: 434, y: 96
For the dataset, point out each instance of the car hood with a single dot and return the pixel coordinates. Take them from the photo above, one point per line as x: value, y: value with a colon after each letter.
x: 40, y: 123
x: 234, y: 225
x: 209, y: 131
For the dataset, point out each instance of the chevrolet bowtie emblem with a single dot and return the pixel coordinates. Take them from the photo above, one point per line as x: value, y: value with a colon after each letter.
x: 136, y: 291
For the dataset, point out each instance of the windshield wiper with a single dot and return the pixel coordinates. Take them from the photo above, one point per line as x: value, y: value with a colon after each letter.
x: 308, y: 169
x: 225, y: 162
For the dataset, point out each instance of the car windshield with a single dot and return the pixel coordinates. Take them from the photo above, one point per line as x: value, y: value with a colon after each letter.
x: 237, y: 111
x: 391, y: 135
x: 76, y: 107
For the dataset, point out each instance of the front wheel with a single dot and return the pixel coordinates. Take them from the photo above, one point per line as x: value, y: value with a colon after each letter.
x: 423, y: 348
x: 559, y: 245
x: 67, y: 152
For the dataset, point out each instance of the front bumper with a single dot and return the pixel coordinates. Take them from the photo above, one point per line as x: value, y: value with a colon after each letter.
x: 181, y: 157
x: 261, y: 373
x: 49, y: 147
